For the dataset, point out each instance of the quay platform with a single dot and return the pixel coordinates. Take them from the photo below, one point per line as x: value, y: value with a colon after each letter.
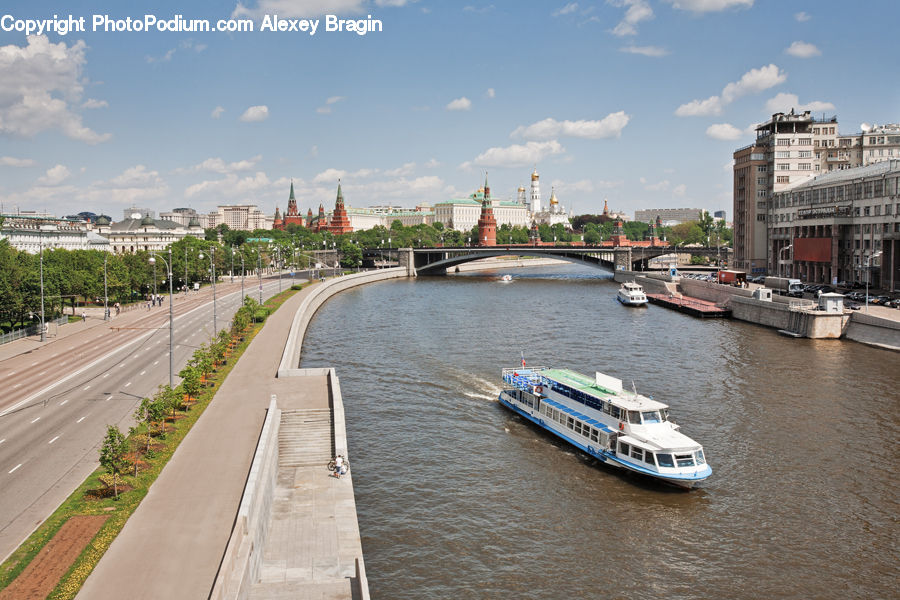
x: 692, y: 306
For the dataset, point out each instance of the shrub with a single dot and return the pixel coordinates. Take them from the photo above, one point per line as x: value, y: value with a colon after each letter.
x: 297, y: 286
x: 260, y: 315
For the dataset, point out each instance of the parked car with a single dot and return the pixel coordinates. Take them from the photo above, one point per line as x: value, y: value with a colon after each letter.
x: 852, y: 305
x: 881, y: 299
x: 824, y: 289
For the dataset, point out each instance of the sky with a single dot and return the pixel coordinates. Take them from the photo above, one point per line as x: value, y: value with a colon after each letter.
x: 641, y: 102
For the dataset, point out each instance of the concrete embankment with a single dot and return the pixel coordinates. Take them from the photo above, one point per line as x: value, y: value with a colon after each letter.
x: 797, y: 316
x: 501, y: 262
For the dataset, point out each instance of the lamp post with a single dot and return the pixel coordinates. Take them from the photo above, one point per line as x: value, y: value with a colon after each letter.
x: 242, y: 274
x: 106, y: 289
x: 278, y: 250
x: 259, y: 272
x: 232, y: 263
x: 780, y: 259
x: 171, y: 320
x: 43, y: 335
x: 212, y: 270
x: 185, y: 270
x: 869, y: 275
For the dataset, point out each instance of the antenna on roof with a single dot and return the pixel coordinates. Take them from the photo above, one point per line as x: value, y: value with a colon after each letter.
x: 633, y: 387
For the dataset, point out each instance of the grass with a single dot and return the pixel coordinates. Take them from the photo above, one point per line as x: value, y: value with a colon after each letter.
x: 80, y: 502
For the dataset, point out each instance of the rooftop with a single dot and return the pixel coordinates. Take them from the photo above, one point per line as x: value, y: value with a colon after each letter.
x: 879, y: 168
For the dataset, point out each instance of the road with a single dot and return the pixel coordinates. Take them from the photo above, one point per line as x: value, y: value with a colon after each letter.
x: 59, y: 398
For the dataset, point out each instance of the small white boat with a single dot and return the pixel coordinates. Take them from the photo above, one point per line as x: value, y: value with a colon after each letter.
x: 631, y: 294
x: 506, y: 278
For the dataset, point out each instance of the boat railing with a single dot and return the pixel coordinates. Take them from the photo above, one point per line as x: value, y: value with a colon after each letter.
x: 523, y: 376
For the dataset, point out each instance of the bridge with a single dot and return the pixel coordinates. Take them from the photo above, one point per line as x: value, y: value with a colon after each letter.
x: 435, y: 260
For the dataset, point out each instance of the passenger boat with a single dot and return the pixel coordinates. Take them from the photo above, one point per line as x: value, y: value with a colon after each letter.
x: 620, y: 428
x: 631, y: 294
x: 506, y: 278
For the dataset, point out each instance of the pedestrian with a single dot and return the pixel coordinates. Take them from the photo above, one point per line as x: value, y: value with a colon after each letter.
x: 83, y: 317
x: 338, y: 466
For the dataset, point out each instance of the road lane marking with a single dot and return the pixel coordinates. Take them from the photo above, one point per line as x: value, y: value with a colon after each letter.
x: 63, y: 402
x: 86, y: 388
x: 54, y: 355
x: 53, y: 440
x: 3, y: 440
x: 36, y: 420
x: 14, y: 468
x: 81, y: 419
x: 105, y: 375
x: 17, y: 385
x: 127, y: 384
x: 155, y: 363
x: 142, y: 372
x: 11, y: 373
x: 42, y: 372
x: 34, y: 363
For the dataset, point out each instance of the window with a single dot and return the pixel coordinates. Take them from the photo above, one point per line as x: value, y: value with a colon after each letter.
x: 634, y: 417
x: 805, y: 141
x: 648, y: 457
x: 887, y: 209
x: 806, y: 154
x: 637, y: 453
x: 783, y: 166
x: 665, y: 460
x: 624, y: 448
x: 761, y: 168
x: 685, y: 460
x: 698, y: 456
x: 783, y: 154
x: 784, y: 142
x: 804, y: 166
x: 760, y: 181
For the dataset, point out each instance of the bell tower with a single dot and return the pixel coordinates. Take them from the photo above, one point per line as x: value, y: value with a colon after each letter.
x: 487, y: 224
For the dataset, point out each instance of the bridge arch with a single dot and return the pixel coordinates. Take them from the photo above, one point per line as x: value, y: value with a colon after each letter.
x: 437, y: 260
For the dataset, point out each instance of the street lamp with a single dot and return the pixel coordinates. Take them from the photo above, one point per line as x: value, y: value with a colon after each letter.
x: 781, y: 260
x: 212, y: 270
x: 171, y: 320
x: 106, y: 292
x: 259, y: 272
x: 43, y: 335
x: 869, y: 275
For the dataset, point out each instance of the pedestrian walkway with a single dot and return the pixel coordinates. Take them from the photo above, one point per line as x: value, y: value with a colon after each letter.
x: 173, y: 544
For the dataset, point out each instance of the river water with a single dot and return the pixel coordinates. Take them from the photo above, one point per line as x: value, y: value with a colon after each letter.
x: 459, y: 498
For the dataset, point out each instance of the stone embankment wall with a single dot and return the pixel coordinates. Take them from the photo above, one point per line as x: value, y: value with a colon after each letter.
x: 240, y: 565
x: 653, y: 283
x: 504, y: 263
x: 323, y: 291
x: 875, y: 331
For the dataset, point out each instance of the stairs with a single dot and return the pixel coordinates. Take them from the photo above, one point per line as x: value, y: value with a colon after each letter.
x: 306, y: 438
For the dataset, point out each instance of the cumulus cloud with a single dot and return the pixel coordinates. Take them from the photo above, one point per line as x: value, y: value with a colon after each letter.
x: 660, y: 186
x: 432, y: 163
x: 802, y: 17
x: 490, y: 93
x: 217, y: 112
x: 325, y: 110
x: 582, y: 186
x: 723, y: 131
x: 12, y: 161
x: 254, y: 114
x: 565, y: 10
x: 41, y: 81
x: 651, y: 51
x: 751, y: 82
x: 609, y: 126
x: 54, y: 176
x: 703, y: 6
x: 92, y: 103
x: 402, y: 171
x: 516, y: 155
x: 638, y: 10
x: 331, y: 175
x: 230, y: 186
x: 218, y: 165
x: 803, y: 50
x: 679, y: 190
x: 459, y: 104
x: 785, y: 102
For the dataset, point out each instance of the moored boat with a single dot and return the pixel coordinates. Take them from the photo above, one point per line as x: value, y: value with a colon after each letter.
x: 622, y: 429
x: 631, y: 294
x: 506, y: 278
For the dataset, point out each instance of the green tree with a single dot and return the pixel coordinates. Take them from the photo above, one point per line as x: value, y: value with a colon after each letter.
x: 112, y: 454
x: 190, y: 381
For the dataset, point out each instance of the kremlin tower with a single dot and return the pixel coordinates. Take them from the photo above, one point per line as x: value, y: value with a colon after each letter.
x: 535, y: 192
x: 340, y: 222
x: 487, y: 224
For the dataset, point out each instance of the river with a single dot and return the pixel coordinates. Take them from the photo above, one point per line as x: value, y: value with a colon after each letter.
x: 459, y: 498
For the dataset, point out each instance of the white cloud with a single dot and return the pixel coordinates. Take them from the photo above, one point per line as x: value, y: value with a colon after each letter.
x: 136, y: 176
x: 402, y: 171
x: 218, y: 165
x: 254, y: 114
x: 753, y: 81
x: 54, y: 176
x: 651, y: 51
x: 432, y: 163
x: 660, y: 186
x: 785, y: 102
x: 164, y: 58
x: 679, y: 190
x: 610, y: 126
x: 802, y: 17
x: 803, y: 50
x: 702, y: 6
x: 459, y: 104
x: 638, y: 10
x: 325, y: 110
x: 12, y: 161
x: 299, y: 8
x: 565, y: 10
x: 723, y: 131
x: 40, y: 82
x: 490, y: 93
x: 217, y: 112
x: 313, y: 152
x: 92, y: 103
x: 516, y: 155
x: 231, y: 186
x: 332, y: 175
x: 583, y: 186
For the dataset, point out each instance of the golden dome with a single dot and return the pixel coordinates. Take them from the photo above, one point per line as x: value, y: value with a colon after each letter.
x: 553, y: 199
x: 521, y: 188
x: 535, y: 176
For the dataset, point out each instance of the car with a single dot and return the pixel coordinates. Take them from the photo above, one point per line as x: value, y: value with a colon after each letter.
x: 881, y: 299
x: 852, y: 305
x: 824, y: 289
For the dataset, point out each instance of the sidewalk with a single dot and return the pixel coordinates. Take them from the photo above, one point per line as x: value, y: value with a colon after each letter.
x: 173, y: 544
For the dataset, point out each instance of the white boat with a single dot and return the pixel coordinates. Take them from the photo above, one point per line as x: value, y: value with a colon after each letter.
x: 631, y: 294
x: 506, y: 278
x: 622, y: 429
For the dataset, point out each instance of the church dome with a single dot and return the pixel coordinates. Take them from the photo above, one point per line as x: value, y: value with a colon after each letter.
x: 147, y: 221
x: 194, y: 222
x: 553, y: 199
x: 102, y: 221
x: 535, y: 176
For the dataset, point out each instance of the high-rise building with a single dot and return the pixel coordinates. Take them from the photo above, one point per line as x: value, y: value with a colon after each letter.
x: 669, y: 216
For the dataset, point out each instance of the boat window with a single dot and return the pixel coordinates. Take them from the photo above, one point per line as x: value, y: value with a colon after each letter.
x: 665, y: 460
x: 594, y: 435
x: 648, y: 457
x: 623, y: 448
x: 614, y: 412
x: 701, y: 460
x: 665, y: 414
x: 570, y: 423
x: 634, y: 417
x: 650, y: 416
x: 685, y: 460
x: 637, y: 453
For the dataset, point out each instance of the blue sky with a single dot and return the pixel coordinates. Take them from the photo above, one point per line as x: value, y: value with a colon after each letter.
x: 638, y: 101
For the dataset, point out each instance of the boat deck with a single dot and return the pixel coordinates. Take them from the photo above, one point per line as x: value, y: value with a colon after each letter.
x: 691, y: 306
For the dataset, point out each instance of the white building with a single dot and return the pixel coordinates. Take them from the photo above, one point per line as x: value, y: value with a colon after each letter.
x: 462, y: 214
x: 29, y: 234
x: 131, y: 235
x: 554, y: 214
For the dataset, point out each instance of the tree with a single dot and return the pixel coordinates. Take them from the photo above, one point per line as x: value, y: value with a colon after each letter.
x: 190, y: 382
x: 112, y: 454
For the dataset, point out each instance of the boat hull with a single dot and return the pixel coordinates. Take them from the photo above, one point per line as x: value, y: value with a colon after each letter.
x: 630, y: 302
x: 605, y: 456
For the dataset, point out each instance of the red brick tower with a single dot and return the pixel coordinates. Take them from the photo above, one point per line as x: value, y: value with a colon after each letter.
x: 487, y: 224
x: 340, y: 222
x: 618, y: 237
x: 277, y: 223
x: 291, y: 215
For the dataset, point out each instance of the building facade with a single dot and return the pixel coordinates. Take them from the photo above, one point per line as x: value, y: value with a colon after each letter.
x: 147, y: 233
x: 840, y: 226
x: 668, y: 216
x: 30, y: 234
